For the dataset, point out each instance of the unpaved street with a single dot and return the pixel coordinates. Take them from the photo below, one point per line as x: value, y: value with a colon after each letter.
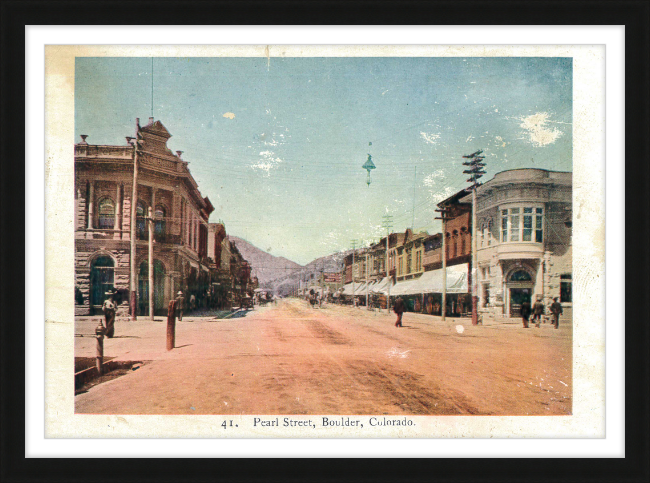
x: 292, y: 359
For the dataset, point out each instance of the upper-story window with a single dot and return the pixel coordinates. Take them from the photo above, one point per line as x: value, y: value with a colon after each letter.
x: 140, y: 222
x: 486, y: 235
x: 106, y: 218
x: 159, y: 226
x: 409, y: 260
x: 522, y: 223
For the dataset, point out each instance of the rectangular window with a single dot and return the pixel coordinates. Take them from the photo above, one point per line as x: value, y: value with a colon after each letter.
x: 528, y: 226
x: 514, y: 224
x: 504, y: 228
x: 565, y: 288
x: 539, y: 231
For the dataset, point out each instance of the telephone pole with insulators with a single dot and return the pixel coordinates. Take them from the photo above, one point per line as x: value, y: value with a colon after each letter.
x: 475, y: 170
x: 387, y: 222
x: 444, y: 216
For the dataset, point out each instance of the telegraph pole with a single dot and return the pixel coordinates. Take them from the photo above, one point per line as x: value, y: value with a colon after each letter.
x: 387, y: 222
x: 444, y: 216
x: 475, y: 171
x: 151, y: 281
x: 133, y: 295
x: 367, y: 305
x: 354, y: 249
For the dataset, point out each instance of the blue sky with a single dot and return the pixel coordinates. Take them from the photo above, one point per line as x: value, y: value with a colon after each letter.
x: 277, y: 145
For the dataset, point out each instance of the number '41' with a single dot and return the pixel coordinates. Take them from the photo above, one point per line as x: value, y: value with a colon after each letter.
x: 228, y: 424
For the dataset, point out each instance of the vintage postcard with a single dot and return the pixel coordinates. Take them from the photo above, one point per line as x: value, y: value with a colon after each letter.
x: 325, y: 242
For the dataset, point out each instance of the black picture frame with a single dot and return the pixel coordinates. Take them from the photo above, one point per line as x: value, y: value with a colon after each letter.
x: 14, y: 467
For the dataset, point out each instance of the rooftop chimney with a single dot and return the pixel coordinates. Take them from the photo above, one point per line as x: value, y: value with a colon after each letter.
x: 151, y: 120
x: 83, y: 139
x: 178, y: 153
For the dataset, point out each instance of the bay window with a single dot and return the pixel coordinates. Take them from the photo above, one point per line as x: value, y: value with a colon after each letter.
x: 522, y: 223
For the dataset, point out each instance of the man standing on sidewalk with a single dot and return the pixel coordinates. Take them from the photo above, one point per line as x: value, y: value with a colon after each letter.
x: 180, y: 301
x: 556, y: 310
x: 538, y: 311
x: 525, y: 313
x: 399, y: 308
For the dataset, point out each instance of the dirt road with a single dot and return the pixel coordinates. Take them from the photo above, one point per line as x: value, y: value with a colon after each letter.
x: 292, y: 359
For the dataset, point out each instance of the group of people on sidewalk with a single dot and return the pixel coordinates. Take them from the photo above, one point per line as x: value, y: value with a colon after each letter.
x: 537, y: 312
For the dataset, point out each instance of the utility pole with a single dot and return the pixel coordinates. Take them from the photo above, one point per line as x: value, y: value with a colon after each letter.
x: 444, y: 216
x: 151, y: 282
x: 387, y: 222
x: 475, y: 171
x: 354, y: 249
x: 367, y: 305
x: 133, y: 294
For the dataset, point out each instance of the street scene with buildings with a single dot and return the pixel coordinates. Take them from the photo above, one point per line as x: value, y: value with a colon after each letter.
x: 390, y: 279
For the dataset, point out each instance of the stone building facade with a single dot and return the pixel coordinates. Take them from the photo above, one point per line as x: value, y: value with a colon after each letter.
x: 524, y: 239
x: 104, y: 176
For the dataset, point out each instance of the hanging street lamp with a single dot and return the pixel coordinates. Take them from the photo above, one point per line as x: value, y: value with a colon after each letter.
x: 368, y: 165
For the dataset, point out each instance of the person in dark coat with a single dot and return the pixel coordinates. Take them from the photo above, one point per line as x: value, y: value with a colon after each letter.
x: 556, y: 310
x: 180, y: 305
x: 525, y: 313
x: 538, y: 311
x: 399, y: 309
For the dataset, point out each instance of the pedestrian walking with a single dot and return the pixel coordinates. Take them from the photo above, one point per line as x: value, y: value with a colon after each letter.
x: 109, y: 309
x: 538, y: 311
x: 180, y: 303
x: 399, y: 309
x: 192, y: 302
x: 556, y: 310
x: 525, y: 313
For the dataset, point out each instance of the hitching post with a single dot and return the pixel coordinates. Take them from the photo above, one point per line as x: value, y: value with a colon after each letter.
x: 99, y: 334
x: 171, y: 325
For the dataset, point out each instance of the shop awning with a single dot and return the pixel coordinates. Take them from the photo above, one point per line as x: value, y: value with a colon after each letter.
x: 431, y: 282
x: 381, y: 287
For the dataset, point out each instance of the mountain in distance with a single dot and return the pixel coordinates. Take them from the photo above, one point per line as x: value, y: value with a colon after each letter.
x: 281, y: 274
x: 311, y: 272
x: 266, y: 267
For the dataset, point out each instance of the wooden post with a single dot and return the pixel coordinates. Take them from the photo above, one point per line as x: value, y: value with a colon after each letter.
x: 171, y: 325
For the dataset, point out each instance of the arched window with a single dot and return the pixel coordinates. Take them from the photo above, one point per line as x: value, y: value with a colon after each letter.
x: 463, y: 235
x: 489, y: 232
x: 159, y: 226
x: 106, y: 214
x: 521, y: 276
x: 141, y: 226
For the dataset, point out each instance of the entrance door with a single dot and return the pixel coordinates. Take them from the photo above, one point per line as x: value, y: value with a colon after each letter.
x: 517, y: 297
x: 143, y: 289
x: 101, y: 280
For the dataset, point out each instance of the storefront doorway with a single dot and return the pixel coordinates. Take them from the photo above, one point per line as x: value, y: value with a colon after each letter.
x: 517, y: 297
x: 520, y: 290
